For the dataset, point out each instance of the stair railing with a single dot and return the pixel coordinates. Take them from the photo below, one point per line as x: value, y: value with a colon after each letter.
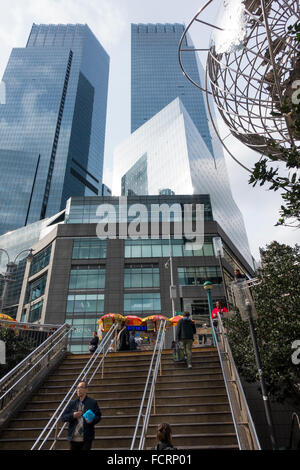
x: 53, y: 423
x: 242, y: 419
x: 15, y: 385
x: 294, y: 424
x: 151, y: 396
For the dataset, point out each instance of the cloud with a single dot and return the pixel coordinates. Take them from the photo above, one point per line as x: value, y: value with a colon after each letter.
x: 106, y: 19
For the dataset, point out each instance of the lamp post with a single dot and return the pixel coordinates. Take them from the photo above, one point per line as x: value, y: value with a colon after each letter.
x: 245, y: 304
x: 172, y: 287
x: 219, y: 253
x: 208, y: 287
x: 7, y: 276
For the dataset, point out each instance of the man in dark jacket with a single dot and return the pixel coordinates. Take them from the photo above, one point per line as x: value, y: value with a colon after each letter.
x: 81, y: 430
x: 185, y: 333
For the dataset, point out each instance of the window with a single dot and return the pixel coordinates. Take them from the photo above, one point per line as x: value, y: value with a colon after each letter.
x: 141, y: 276
x: 86, y: 303
x: 35, y: 313
x: 142, y: 302
x: 36, y: 289
x: 147, y: 248
x: 40, y: 261
x: 197, y: 275
x: 89, y: 248
x: 84, y: 327
x: 87, y: 277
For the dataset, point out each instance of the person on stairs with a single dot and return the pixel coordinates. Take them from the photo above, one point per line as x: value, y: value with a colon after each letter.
x: 82, y: 415
x: 186, y: 329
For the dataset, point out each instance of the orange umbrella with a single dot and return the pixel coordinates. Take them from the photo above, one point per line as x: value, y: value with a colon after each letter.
x: 175, y: 320
x: 133, y: 320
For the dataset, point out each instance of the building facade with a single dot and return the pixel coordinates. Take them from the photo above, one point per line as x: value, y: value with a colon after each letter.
x: 52, y: 125
x: 157, y: 79
x: 75, y: 277
x: 167, y: 155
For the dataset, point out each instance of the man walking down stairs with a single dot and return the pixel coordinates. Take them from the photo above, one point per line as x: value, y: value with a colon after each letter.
x: 193, y: 401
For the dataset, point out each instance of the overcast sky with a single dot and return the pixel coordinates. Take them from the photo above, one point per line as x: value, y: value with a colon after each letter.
x: 110, y: 21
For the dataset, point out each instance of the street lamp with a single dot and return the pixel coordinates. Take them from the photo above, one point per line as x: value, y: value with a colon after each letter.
x: 208, y: 287
x: 7, y: 276
x: 244, y: 302
x: 172, y: 287
x: 219, y: 253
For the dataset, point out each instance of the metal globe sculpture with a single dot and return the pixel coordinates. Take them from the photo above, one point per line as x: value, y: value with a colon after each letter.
x: 253, y: 70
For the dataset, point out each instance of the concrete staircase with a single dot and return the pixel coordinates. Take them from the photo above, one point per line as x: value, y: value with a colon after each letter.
x: 193, y: 401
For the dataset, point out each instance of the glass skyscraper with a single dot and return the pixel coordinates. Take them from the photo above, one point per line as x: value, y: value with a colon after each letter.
x: 52, y: 126
x: 157, y: 79
x: 167, y: 155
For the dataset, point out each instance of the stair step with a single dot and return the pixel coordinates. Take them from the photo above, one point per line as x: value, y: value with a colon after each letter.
x: 128, y: 430
x: 28, y: 421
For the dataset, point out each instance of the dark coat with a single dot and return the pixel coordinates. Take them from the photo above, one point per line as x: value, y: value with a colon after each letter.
x: 88, y: 428
x: 124, y: 340
x: 165, y: 446
x: 185, y: 329
x: 94, y: 342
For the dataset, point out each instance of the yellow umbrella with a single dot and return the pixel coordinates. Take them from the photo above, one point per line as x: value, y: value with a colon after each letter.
x: 6, y: 317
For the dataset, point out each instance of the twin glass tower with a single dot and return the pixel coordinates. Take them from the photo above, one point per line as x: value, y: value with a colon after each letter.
x: 52, y: 124
x: 52, y: 127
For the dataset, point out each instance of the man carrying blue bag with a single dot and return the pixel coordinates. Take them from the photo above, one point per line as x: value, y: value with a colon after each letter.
x: 82, y: 415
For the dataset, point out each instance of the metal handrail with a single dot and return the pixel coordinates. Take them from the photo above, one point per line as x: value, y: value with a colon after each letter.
x: 55, y: 418
x: 240, y: 411
x: 158, y: 346
x: 295, y: 419
x: 32, y: 362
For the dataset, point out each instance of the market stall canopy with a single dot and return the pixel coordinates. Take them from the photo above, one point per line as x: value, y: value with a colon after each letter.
x: 133, y: 320
x: 157, y: 318
x: 106, y: 322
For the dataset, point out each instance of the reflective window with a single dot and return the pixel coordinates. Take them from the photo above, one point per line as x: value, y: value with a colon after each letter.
x: 35, y: 312
x: 84, y: 327
x: 87, y: 277
x: 197, y: 275
x: 36, y: 289
x: 141, y: 276
x: 89, y: 248
x: 143, y: 248
x: 40, y: 261
x: 85, y: 303
x: 142, y: 302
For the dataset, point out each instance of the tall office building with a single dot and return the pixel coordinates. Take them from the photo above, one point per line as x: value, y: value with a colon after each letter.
x: 157, y: 79
x: 172, y: 148
x: 52, y: 125
x: 167, y: 155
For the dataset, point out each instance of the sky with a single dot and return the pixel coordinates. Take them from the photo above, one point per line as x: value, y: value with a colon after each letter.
x: 110, y: 22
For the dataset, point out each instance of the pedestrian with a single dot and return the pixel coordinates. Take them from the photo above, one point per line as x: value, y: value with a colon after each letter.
x: 202, y: 337
x: 164, y: 437
x: 238, y: 276
x: 82, y: 415
x: 93, y: 344
x: 185, y: 334
x: 132, y: 342
x: 123, y: 338
x: 214, y: 316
